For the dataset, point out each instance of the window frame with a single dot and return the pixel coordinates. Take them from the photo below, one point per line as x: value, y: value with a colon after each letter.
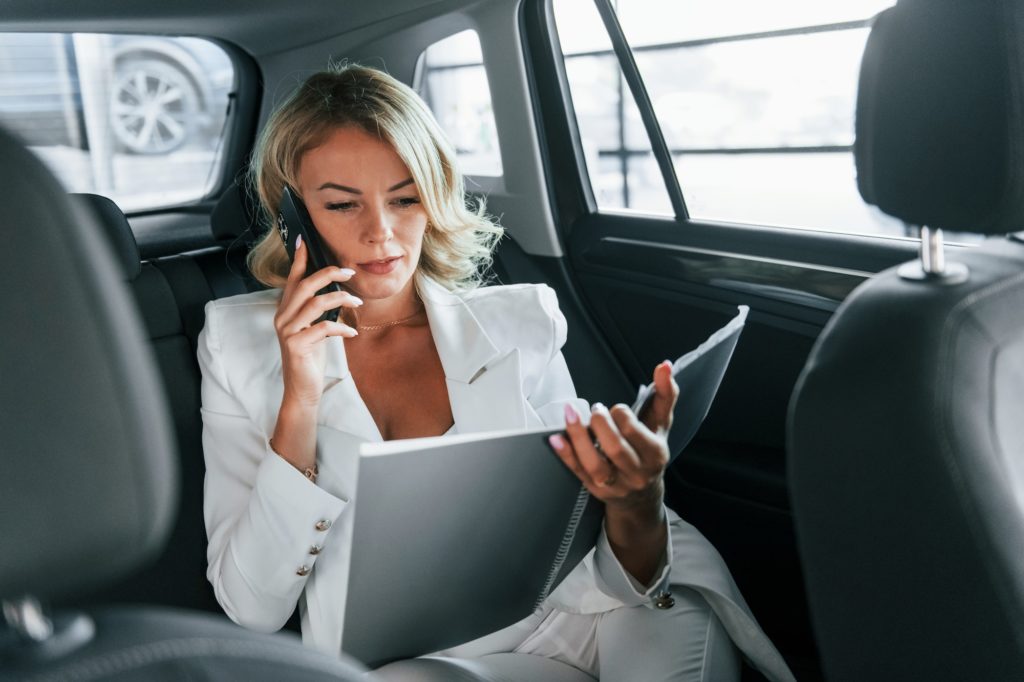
x: 240, y: 126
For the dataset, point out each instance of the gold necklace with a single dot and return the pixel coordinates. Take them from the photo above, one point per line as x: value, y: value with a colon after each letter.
x: 392, y: 323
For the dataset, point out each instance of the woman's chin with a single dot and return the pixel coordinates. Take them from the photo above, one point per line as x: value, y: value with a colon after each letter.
x: 373, y: 286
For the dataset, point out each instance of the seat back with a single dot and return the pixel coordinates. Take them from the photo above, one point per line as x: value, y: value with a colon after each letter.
x: 87, y: 475
x: 170, y: 294
x: 88, y: 472
x: 906, y: 443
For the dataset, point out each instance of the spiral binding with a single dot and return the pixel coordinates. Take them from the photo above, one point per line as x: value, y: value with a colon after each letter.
x: 563, y: 550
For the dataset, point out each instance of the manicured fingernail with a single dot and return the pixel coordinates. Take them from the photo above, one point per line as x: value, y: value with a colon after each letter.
x: 571, y: 416
x: 298, y: 242
x: 667, y: 362
x: 556, y: 441
x: 596, y: 407
x: 348, y: 272
x: 357, y: 300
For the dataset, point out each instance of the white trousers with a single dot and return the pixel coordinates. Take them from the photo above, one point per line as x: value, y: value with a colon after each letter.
x: 685, y: 643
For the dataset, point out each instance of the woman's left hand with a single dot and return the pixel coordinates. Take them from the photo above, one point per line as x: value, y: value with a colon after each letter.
x: 625, y: 464
x: 624, y: 468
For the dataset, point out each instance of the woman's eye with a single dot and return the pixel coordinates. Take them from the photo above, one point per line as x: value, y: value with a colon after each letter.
x: 406, y: 202
x: 341, y: 206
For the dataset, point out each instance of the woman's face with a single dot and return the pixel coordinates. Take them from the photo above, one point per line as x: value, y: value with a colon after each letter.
x: 366, y: 209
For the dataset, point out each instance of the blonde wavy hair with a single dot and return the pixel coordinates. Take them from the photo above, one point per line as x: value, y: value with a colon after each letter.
x: 460, y: 243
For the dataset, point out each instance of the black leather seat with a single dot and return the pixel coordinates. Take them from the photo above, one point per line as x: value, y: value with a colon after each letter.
x: 906, y: 444
x: 170, y: 294
x: 88, y: 477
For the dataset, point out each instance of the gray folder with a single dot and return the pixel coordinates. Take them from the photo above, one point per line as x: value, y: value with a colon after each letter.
x: 458, y: 536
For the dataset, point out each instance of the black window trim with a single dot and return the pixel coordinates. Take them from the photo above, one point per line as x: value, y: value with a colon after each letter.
x: 631, y: 74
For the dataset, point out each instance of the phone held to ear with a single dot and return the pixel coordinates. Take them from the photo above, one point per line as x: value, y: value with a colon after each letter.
x: 293, y: 220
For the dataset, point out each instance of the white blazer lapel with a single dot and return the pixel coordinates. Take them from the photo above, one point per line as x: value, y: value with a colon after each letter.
x: 484, y: 384
x: 491, y: 402
x: 341, y: 406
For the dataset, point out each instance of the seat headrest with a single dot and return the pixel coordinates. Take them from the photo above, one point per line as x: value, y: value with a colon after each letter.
x: 87, y: 470
x: 114, y: 223
x: 236, y: 214
x: 940, y: 115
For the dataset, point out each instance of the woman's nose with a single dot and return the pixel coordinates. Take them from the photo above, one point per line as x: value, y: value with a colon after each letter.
x: 378, y: 226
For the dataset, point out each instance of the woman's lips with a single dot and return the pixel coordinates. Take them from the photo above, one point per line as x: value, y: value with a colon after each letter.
x: 380, y: 267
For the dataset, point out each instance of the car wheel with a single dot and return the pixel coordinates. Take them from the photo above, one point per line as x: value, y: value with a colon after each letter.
x: 153, y: 107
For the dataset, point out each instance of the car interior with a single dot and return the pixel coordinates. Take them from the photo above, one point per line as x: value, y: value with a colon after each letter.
x: 859, y: 470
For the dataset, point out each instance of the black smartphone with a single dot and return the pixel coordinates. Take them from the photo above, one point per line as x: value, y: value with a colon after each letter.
x: 293, y: 220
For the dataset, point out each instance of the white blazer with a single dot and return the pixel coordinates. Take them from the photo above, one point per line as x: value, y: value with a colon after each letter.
x: 269, y: 528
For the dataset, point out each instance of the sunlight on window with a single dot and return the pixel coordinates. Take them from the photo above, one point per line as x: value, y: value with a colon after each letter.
x: 453, y: 82
x: 140, y: 119
x: 756, y: 102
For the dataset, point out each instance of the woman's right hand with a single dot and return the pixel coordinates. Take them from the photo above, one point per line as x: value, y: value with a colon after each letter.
x: 303, y: 351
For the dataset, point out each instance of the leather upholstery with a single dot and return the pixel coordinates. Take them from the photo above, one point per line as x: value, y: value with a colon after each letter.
x: 170, y: 294
x: 906, y: 443
x: 236, y: 214
x: 906, y: 473
x: 87, y: 477
x: 940, y: 115
x: 87, y: 472
x: 145, y: 644
x: 115, y: 225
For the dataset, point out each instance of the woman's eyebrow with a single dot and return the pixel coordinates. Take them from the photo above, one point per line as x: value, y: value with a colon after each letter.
x: 343, y: 188
x: 403, y: 183
x: 353, y: 190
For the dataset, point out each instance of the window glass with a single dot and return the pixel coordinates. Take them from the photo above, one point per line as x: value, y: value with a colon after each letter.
x: 453, y: 82
x: 655, y: 22
x: 623, y: 172
x: 136, y: 118
x: 756, y: 101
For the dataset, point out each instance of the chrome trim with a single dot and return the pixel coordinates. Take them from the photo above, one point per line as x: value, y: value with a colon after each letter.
x: 931, y: 266
x: 815, y: 286
x: 26, y: 617
x: 743, y: 256
x: 933, y: 260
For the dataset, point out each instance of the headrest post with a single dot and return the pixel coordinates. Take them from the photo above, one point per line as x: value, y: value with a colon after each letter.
x: 27, y: 618
x: 933, y: 258
x: 932, y: 266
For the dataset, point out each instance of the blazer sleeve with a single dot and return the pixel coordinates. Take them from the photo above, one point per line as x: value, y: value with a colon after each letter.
x: 262, y: 515
x: 548, y: 398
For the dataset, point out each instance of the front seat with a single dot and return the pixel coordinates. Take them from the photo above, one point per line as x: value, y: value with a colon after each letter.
x: 87, y: 475
x: 906, y: 428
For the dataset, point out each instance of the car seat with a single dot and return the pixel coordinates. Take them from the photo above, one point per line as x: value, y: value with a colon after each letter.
x: 906, y: 430
x: 87, y: 474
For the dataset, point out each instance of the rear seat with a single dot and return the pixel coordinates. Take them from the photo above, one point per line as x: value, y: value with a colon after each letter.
x: 171, y: 293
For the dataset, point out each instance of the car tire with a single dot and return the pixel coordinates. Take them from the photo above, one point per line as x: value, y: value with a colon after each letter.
x: 153, y: 106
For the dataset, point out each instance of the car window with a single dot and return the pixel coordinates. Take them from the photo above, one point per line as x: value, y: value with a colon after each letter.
x: 623, y: 172
x: 137, y: 118
x: 755, y: 100
x: 452, y: 80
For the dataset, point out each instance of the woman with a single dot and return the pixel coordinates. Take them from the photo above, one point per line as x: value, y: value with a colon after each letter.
x: 421, y: 350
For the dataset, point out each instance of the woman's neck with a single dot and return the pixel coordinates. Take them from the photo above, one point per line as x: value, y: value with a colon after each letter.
x: 382, y: 311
